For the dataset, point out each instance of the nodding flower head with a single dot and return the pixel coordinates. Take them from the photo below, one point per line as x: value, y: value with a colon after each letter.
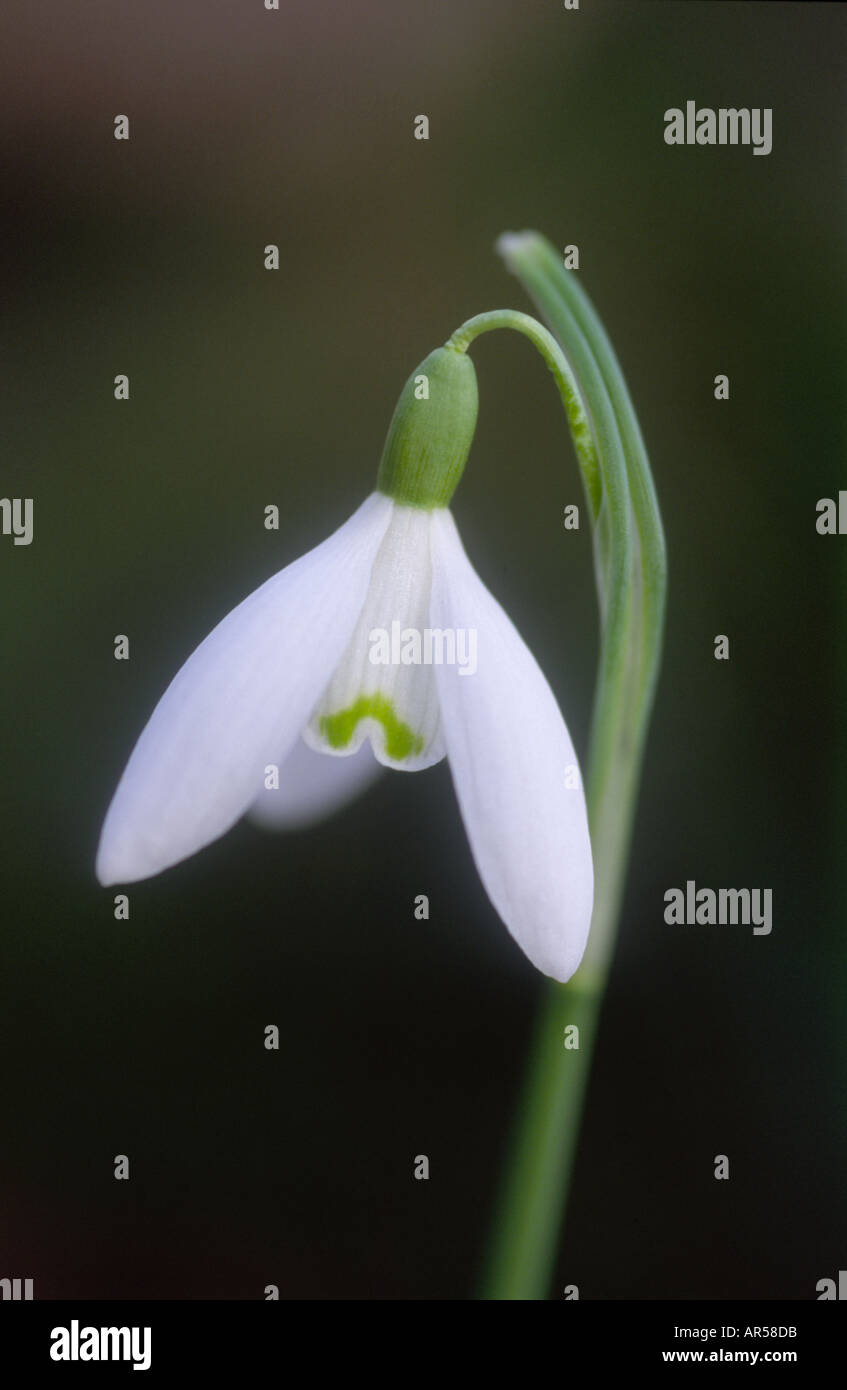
x: 367, y: 640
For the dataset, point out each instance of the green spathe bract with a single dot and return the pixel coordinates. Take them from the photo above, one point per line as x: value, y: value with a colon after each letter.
x: 400, y: 740
x: 431, y: 431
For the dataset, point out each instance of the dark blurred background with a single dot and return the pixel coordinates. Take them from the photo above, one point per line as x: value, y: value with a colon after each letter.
x: 400, y: 1037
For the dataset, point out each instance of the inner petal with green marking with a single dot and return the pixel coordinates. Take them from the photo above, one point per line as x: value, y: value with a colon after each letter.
x: 400, y: 740
x: 381, y: 689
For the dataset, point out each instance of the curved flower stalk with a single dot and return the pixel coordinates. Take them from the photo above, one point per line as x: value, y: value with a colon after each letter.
x: 384, y: 634
x: 632, y: 579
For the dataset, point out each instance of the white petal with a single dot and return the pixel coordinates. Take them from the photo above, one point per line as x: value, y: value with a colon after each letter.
x: 239, y: 702
x: 312, y: 786
x: 512, y: 761
x: 384, y: 688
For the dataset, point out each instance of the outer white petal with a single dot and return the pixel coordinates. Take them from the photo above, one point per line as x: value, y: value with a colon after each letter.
x: 512, y: 761
x: 312, y: 786
x: 239, y: 703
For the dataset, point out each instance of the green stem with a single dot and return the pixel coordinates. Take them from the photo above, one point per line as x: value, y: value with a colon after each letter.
x: 631, y: 570
x: 526, y: 1235
x: 575, y: 408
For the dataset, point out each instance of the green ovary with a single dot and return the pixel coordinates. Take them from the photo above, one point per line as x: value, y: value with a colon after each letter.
x: 400, y: 740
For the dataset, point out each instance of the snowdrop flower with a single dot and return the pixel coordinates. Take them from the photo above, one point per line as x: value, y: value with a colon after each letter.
x: 357, y: 641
